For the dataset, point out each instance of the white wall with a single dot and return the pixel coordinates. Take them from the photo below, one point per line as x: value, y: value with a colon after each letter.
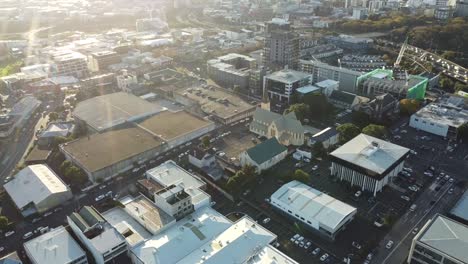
x: 428, y: 126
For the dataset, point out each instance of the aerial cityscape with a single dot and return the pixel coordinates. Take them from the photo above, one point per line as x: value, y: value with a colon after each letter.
x: 234, y: 131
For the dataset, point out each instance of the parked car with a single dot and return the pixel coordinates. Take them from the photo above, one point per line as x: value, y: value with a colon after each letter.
x: 324, y: 257
x: 307, y: 245
x: 266, y: 220
x: 389, y: 244
x: 358, y: 194
x: 100, y: 197
x: 415, y: 231
x: 406, y: 198
x: 413, y: 207
x: 356, y: 245
x: 48, y: 213
x: 450, y: 191
x: 27, y: 235
x: 316, y: 251
x: 369, y: 256
x: 102, y: 187
x: 35, y: 220
x: 9, y: 233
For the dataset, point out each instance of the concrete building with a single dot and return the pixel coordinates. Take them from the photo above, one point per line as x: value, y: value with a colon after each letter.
x: 327, y: 86
x: 111, y: 111
x: 285, y: 128
x: 316, y: 210
x: 264, y: 155
x: 460, y: 211
x: 232, y: 70
x: 359, y: 13
x: 382, y: 81
x: 320, y: 71
x: 368, y: 162
x: 101, y: 60
x: 169, y: 175
x: 439, y: 119
x: 281, y: 45
x: 441, y: 240
x: 174, y: 200
x: 362, y: 63
x: 328, y: 137
x: 55, y: 246
x: 220, y: 105
x: 109, y: 153
x: 461, y: 8
x: 281, y: 85
x: 69, y: 63
x: 125, y: 81
x: 100, y: 238
x: 37, y: 189
x: 209, y: 237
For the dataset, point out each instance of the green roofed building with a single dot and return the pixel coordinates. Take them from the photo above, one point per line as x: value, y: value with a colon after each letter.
x: 264, y: 155
x: 381, y: 81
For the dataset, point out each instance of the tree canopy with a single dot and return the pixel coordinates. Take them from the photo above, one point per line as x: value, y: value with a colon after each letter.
x: 300, y: 175
x: 319, y: 149
x: 360, y: 119
x: 347, y: 132
x: 301, y: 110
x: 462, y: 132
x: 409, y: 106
x: 3, y: 222
x: 375, y: 131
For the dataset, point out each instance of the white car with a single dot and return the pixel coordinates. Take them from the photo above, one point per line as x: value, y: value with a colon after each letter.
x: 9, y: 233
x: 324, y: 257
x: 315, y: 167
x: 358, y: 194
x: 48, y: 213
x: 316, y: 251
x: 404, y: 197
x: 389, y: 244
x: 266, y: 220
x: 100, y: 197
x: 27, y: 235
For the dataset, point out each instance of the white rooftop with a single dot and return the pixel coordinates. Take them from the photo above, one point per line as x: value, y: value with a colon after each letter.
x: 288, y: 76
x: 370, y: 153
x: 209, y: 237
x: 34, y: 184
x: 327, y: 83
x: 307, y: 89
x: 313, y: 204
x: 55, y: 246
x: 444, y: 114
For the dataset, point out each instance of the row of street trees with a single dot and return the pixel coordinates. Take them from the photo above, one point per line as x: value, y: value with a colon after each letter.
x: 349, y: 131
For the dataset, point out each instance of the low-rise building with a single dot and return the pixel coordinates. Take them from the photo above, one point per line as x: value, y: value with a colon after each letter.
x: 439, y: 119
x: 69, y: 63
x: 37, y: 189
x: 328, y: 137
x: 285, y: 128
x: 441, y: 240
x: 231, y: 70
x: 101, y: 60
x: 53, y: 131
x: 460, y: 211
x: 368, y: 162
x: 125, y: 81
x: 100, y: 238
x: 202, y: 158
x: 381, y: 107
x: 316, y: 210
x: 264, y: 155
x: 55, y: 246
x: 345, y: 100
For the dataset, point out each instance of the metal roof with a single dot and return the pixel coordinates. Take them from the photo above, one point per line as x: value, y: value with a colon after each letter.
x: 460, y: 209
x: 447, y: 236
x: 266, y: 150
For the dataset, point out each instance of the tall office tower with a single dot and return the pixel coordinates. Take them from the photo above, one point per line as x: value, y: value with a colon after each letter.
x: 281, y: 45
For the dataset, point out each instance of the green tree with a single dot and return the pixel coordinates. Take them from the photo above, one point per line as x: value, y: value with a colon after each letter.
x: 462, y: 132
x: 53, y: 116
x: 65, y: 165
x: 249, y: 171
x: 375, y: 131
x: 347, y: 132
x: 302, y: 176
x: 461, y: 87
x: 206, y: 141
x: 3, y: 222
x: 409, y: 106
x: 75, y: 175
x: 301, y: 110
x: 360, y: 119
x: 318, y: 149
x: 319, y: 107
x: 447, y: 84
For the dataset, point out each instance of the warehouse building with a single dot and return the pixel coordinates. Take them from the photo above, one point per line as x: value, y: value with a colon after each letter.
x: 55, y: 246
x: 439, y: 119
x: 318, y: 211
x: 37, y: 189
x: 441, y: 240
x: 368, y: 162
x: 111, y: 111
x: 110, y: 153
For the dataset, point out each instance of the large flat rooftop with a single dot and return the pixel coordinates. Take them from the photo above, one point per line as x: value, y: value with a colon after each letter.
x: 170, y: 125
x: 217, y: 101
x: 443, y: 114
x: 370, y: 153
x: 107, y: 111
x: 98, y: 151
x: 288, y: 76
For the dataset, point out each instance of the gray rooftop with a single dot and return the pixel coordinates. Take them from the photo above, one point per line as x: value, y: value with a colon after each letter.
x: 288, y: 76
x: 447, y: 236
x: 107, y: 111
x: 460, y: 209
x: 443, y: 114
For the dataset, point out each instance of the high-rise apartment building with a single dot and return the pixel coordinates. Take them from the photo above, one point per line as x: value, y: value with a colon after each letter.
x: 281, y: 45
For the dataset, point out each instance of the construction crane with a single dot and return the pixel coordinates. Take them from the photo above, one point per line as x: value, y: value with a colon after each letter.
x: 400, y: 55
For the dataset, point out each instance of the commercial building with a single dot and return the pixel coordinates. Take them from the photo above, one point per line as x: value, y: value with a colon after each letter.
x: 281, y: 85
x: 53, y: 131
x: 285, y: 128
x: 110, y: 111
x: 382, y: 81
x: 460, y: 211
x: 69, y: 63
x: 125, y: 80
x: 220, y: 105
x: 18, y: 116
x: 209, y: 237
x: 100, y: 238
x: 169, y: 175
x: 321, y: 71
x: 37, y: 189
x: 264, y: 155
x: 101, y: 60
x: 439, y: 119
x: 55, y: 246
x: 368, y: 162
x: 109, y: 153
x: 316, y: 210
x: 441, y: 240
x: 281, y: 45
x: 138, y: 219
x: 231, y: 70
